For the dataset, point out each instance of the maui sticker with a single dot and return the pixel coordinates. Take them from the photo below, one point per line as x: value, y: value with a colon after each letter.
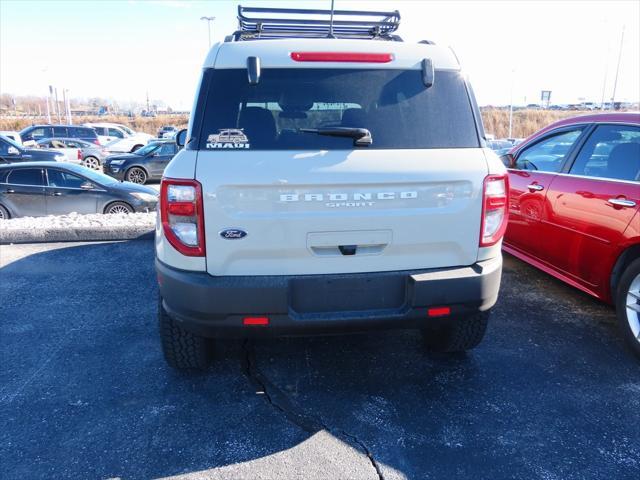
x: 228, y: 138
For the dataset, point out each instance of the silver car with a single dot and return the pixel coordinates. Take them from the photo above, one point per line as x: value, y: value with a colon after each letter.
x: 91, y: 155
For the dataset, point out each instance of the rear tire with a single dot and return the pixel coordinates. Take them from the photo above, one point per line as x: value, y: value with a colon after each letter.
x: 91, y: 162
x: 118, y: 207
x: 628, y: 305
x: 4, y: 213
x: 456, y: 334
x: 182, y: 349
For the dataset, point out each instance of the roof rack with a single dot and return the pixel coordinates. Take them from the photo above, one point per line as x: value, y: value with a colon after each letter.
x: 273, y: 23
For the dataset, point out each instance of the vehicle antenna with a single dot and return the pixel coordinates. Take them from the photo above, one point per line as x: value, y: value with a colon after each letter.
x: 331, y: 23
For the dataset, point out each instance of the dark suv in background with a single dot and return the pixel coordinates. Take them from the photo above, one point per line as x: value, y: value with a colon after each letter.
x: 146, y: 163
x: 32, y: 134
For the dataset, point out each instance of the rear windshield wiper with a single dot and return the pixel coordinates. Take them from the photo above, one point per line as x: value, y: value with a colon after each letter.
x: 361, y: 136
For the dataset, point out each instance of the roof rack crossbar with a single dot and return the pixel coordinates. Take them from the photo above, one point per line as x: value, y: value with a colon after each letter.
x: 294, y: 22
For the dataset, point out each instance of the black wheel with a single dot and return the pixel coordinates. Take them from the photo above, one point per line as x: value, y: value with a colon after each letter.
x: 118, y: 207
x: 91, y: 162
x: 456, y: 334
x: 136, y: 175
x: 628, y: 305
x: 4, y: 213
x: 182, y: 349
x: 135, y: 147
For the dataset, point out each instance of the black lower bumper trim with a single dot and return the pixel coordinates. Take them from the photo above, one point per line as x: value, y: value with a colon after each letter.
x: 308, y: 304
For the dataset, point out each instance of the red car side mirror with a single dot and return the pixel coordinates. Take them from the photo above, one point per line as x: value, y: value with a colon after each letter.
x: 508, y: 160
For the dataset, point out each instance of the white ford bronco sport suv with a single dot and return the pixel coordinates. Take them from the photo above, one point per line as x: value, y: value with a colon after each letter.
x: 360, y: 196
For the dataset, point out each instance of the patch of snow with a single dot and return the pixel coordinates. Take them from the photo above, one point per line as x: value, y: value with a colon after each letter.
x: 74, y: 220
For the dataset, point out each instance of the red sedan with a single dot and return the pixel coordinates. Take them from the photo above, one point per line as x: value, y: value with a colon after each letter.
x: 574, y: 208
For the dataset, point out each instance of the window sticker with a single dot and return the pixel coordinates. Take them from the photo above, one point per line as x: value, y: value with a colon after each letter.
x: 228, y: 138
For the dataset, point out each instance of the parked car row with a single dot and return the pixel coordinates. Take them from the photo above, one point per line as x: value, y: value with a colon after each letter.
x: 77, y: 151
x: 113, y: 136
x: 145, y: 164
x: 46, y: 188
x: 98, y: 142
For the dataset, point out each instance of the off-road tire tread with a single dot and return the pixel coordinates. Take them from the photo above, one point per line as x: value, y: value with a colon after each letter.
x: 461, y: 334
x: 182, y: 349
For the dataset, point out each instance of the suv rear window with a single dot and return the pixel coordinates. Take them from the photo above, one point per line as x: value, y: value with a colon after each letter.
x: 393, y: 105
x: 82, y: 132
x: 36, y: 133
x: 60, y: 132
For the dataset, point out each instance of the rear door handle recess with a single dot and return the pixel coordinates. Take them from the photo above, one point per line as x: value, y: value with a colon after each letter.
x: 621, y: 202
x: 11, y: 191
x: 534, y: 187
x: 56, y: 194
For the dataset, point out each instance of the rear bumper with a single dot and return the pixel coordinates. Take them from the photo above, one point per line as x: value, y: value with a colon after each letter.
x: 315, y: 304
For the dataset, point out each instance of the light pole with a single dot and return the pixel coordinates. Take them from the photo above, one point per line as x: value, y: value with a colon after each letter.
x: 511, y: 104
x: 615, y: 82
x: 209, y: 20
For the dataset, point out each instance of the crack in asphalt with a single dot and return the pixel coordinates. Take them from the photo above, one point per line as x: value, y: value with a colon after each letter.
x: 280, y: 401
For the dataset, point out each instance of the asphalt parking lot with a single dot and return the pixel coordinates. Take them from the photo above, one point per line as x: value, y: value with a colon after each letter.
x: 84, y: 393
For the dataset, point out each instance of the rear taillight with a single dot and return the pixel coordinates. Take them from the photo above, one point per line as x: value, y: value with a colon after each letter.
x: 494, y: 209
x: 182, y: 215
x: 79, y: 155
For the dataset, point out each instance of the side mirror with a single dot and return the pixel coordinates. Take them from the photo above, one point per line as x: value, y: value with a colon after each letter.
x: 87, y: 186
x: 13, y: 151
x: 508, y: 160
x: 181, y: 138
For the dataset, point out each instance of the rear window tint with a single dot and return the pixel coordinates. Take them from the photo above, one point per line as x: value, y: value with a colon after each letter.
x: 393, y: 105
x: 82, y: 132
x: 36, y: 133
x: 60, y: 132
x: 26, y: 176
x: 58, y: 178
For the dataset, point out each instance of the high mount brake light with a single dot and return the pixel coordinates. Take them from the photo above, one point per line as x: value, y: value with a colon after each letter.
x: 495, y: 209
x: 182, y: 216
x: 341, y: 57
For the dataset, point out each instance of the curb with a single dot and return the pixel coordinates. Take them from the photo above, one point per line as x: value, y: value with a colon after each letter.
x: 74, y: 234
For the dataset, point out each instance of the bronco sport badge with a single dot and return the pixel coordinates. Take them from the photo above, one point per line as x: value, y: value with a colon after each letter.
x: 228, y: 138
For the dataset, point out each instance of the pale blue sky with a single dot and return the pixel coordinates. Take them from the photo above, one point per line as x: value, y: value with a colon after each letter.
x: 122, y: 48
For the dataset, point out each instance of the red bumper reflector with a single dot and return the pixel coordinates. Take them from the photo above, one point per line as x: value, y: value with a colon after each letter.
x: 341, y: 57
x: 439, y: 311
x: 255, y: 320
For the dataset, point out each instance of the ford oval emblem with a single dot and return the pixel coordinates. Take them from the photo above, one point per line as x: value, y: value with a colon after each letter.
x: 233, y: 234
